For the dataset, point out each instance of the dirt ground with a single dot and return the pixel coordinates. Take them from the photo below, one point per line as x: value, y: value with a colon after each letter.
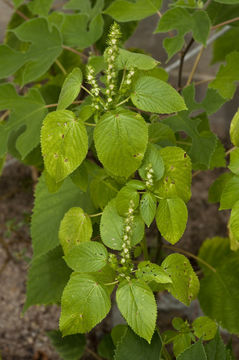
x: 24, y: 337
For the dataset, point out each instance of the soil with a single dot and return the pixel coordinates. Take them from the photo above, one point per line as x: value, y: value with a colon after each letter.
x: 24, y: 337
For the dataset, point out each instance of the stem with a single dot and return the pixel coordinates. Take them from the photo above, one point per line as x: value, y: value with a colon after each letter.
x: 91, y: 352
x: 183, y: 143
x: 195, y: 66
x: 85, y: 57
x: 230, y: 150
x: 190, y: 255
x: 122, y: 102
x: 88, y: 91
x: 158, y: 197
x: 94, y: 215
x: 183, y: 54
x: 23, y: 16
x: 122, y: 80
x: 5, y: 115
x: 55, y: 105
x: 88, y: 124
x: 145, y: 248
x: 225, y: 23
x: 61, y: 66
x: 112, y: 283
x: 196, y: 173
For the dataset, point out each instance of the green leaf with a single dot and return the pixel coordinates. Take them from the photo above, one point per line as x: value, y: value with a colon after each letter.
x: 234, y: 161
x: 137, y: 304
x: 2, y: 163
x: 106, y: 348
x: 127, y: 198
x: 215, y: 349
x: 195, y: 352
x: 121, y: 138
x: 85, y: 6
x: 216, y: 189
x: 54, y: 206
x: 148, y: 208
x: 44, y: 285
x: 228, y: 1
x: 226, y: 77
x: 156, y: 96
x: 177, y: 178
x: 46, y: 46
x: 184, y: 22
x: 17, y: 3
x: 171, y: 218
x: 219, y: 288
x: 70, y: 347
x: 234, y: 226
x: 230, y: 193
x: 40, y: 7
x: 23, y: 110
x: 69, y: 148
x: 226, y: 44
x: 102, y: 190
x: 128, y: 60
x: 122, y: 10
x: 51, y: 184
x: 152, y: 159
x: 132, y: 347
x: 181, y: 342
x: 85, y: 303
x: 80, y: 177
x: 204, y: 328
x: 75, y: 228
x: 218, y: 158
x: 204, y: 142
x: 70, y: 89
x: 112, y: 227
x: 234, y: 129
x: 87, y: 257
x: 161, y: 134
x: 10, y: 60
x: 148, y: 271
x: 185, y: 284
x: 75, y: 24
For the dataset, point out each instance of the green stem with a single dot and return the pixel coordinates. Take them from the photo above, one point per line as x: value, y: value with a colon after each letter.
x: 158, y: 197
x: 183, y: 143
x: 88, y: 124
x: 122, y: 81
x: 94, y: 215
x: 122, y: 102
x: 61, y: 67
x: 88, y: 91
x: 75, y: 52
x: 112, y: 283
x: 191, y: 255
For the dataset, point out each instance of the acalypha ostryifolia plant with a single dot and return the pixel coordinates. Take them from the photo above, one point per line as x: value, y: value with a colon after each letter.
x: 117, y: 146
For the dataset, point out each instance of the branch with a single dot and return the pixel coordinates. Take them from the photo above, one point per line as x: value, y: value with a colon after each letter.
x: 55, y: 105
x: 183, y: 54
x: 191, y: 255
x: 225, y: 23
x: 93, y: 354
x: 85, y: 57
x: 23, y: 16
x: 195, y: 66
